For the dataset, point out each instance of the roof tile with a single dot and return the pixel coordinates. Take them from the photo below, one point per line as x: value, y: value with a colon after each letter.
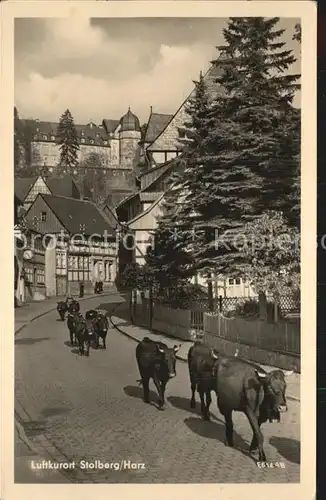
x: 75, y: 214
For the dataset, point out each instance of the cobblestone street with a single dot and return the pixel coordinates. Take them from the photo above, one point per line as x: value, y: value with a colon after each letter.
x: 91, y: 409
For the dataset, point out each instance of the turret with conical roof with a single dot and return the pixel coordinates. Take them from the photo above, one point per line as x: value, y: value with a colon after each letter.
x: 130, y: 136
x: 129, y: 122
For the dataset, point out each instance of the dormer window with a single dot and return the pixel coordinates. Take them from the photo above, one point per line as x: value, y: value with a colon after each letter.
x: 105, y: 143
x: 52, y: 138
x: 35, y: 136
x: 92, y: 141
x: 82, y: 132
x: 82, y: 140
x: 45, y: 137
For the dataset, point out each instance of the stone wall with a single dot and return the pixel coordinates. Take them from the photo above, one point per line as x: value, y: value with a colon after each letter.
x: 120, y: 179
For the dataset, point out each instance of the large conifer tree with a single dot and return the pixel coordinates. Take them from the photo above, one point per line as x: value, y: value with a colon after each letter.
x: 68, y: 144
x: 254, y: 143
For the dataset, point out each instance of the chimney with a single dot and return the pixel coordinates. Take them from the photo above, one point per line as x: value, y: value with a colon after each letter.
x: 151, y: 109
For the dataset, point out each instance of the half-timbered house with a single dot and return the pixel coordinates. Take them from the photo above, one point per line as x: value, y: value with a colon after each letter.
x: 79, y: 241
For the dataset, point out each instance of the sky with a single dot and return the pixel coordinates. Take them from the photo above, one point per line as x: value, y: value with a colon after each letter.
x: 99, y: 67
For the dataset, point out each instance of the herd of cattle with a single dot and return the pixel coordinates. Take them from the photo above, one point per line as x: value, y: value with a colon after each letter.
x: 87, y: 331
x: 238, y: 384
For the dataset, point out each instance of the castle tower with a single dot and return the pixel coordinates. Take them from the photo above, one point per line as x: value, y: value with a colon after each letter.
x: 129, y: 136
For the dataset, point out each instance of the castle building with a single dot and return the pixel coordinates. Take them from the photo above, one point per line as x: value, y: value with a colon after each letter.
x: 115, y: 141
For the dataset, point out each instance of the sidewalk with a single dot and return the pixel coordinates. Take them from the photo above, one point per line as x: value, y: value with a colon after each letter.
x: 29, y: 311
x: 24, y: 451
x: 138, y: 333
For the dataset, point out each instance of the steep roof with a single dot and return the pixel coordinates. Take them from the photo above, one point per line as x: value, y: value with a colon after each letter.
x: 110, y: 125
x: 168, y: 139
x: 74, y: 214
x: 65, y: 186
x: 156, y: 124
x: 22, y: 186
x: 89, y: 131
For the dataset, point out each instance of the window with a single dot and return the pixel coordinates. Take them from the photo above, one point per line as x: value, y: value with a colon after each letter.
x: 78, y: 268
x: 45, y: 137
x: 29, y: 274
x: 92, y: 141
x: 82, y: 140
x: 182, y: 134
x: 35, y: 137
x: 61, y: 263
x: 231, y: 281
x: 52, y: 138
x: 105, y: 142
x: 40, y: 277
x: 43, y: 216
x: 238, y: 281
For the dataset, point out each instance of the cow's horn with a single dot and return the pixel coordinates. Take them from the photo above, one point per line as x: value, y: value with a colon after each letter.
x: 160, y: 349
x: 176, y: 347
x: 261, y: 374
x: 214, y: 355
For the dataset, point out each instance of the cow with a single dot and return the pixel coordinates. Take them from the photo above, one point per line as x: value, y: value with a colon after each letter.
x: 62, y: 309
x: 74, y: 307
x: 246, y: 387
x: 83, y: 333
x: 101, y: 327
x: 201, y: 360
x: 156, y: 361
x: 98, y: 323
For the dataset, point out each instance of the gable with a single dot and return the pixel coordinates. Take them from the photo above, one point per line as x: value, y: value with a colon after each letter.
x: 39, y: 186
x: 168, y: 140
x: 51, y: 225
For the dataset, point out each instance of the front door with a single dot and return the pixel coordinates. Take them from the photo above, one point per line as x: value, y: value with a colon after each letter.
x: 61, y: 286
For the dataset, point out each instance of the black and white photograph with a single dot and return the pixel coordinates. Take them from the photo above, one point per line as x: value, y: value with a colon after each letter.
x: 158, y: 292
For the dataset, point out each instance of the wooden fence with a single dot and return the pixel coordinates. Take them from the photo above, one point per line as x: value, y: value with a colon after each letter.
x: 283, y: 336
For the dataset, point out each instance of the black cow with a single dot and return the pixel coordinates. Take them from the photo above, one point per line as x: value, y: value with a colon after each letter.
x: 156, y: 361
x: 84, y: 334
x: 74, y: 307
x: 101, y: 327
x: 97, y: 322
x: 246, y: 387
x: 62, y: 309
x: 201, y: 360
